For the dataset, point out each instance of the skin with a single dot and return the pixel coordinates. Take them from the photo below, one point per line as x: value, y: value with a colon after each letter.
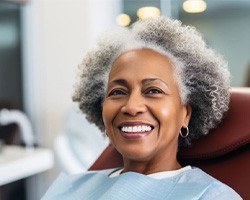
x: 142, y: 91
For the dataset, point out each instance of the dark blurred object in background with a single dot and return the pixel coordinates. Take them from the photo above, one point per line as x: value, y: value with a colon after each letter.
x: 9, y: 133
x: 248, y: 76
x: 10, y: 53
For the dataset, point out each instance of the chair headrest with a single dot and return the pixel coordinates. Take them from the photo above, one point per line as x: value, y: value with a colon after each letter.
x: 231, y: 134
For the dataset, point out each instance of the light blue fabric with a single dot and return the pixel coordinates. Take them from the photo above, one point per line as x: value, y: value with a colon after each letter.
x: 189, y: 185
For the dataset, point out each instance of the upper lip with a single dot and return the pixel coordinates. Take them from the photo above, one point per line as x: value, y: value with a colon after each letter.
x: 134, y: 123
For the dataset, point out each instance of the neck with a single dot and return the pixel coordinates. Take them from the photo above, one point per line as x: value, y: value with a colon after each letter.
x: 150, y: 167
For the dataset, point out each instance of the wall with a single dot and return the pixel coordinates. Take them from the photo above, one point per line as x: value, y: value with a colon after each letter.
x: 227, y: 31
x: 56, y: 35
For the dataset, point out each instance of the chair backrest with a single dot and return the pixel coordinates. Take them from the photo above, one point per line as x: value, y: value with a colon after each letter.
x: 224, y: 153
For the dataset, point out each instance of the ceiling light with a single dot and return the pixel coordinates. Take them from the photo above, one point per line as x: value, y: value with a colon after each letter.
x: 147, y: 12
x: 194, y: 6
x: 123, y: 19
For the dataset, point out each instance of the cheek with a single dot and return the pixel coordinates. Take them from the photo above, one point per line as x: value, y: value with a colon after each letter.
x: 167, y: 115
x: 109, y: 111
x: 105, y: 113
x: 164, y: 112
x: 108, y: 115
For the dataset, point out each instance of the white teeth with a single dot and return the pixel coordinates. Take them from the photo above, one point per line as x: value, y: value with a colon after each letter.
x: 136, y: 129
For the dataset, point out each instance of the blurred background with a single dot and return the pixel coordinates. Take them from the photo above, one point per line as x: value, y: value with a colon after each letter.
x: 42, y: 133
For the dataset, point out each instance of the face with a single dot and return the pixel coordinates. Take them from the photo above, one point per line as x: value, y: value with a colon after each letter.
x: 142, y: 110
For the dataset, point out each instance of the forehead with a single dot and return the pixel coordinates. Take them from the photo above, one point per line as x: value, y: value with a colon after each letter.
x: 142, y: 62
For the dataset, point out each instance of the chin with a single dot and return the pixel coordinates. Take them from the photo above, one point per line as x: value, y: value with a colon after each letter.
x: 136, y: 154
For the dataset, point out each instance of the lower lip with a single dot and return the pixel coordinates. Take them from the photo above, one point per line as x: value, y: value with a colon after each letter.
x: 135, y: 135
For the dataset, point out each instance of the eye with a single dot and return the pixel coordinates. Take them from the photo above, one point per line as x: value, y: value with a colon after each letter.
x: 117, y: 92
x: 153, y: 91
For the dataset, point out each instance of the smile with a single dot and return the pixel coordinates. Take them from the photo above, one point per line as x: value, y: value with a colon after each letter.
x: 136, y: 129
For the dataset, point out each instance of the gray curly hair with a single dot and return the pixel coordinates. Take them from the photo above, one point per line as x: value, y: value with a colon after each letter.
x: 202, y: 75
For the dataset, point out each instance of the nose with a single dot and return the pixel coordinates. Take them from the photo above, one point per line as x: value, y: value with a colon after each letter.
x: 134, y: 105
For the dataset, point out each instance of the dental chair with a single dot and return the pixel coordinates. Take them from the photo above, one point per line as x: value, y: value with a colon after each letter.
x: 224, y: 153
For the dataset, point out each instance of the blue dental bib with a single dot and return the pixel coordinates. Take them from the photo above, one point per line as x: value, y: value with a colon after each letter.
x: 127, y: 186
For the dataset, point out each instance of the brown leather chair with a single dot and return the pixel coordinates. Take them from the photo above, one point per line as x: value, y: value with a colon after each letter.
x: 224, y: 153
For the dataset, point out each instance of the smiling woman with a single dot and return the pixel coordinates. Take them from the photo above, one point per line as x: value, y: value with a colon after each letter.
x: 143, y: 113
x: 152, y: 89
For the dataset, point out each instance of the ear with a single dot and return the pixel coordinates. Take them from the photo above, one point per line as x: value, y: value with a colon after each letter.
x: 187, y: 115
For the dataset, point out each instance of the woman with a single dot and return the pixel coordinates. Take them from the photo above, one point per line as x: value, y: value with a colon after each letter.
x: 152, y: 89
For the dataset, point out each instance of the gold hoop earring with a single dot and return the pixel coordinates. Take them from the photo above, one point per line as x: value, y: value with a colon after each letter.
x: 186, y: 133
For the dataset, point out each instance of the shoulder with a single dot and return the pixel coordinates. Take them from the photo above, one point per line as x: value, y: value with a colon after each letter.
x: 196, y: 175
x: 215, y: 189
x: 65, y: 185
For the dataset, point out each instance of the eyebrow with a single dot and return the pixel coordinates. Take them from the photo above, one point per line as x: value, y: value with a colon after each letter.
x: 144, y: 81
x: 120, y: 82
x: 148, y: 80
